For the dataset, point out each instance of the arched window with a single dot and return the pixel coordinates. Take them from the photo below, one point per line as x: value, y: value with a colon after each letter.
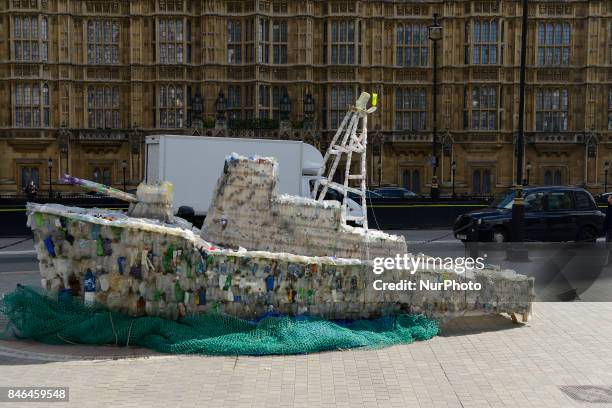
x: 548, y: 179
x: 106, y: 177
x: 412, y: 45
x: 480, y: 108
x: 269, y: 101
x: 31, y: 101
x: 558, y: 177
x: 484, y: 40
x: 410, y: 109
x: 171, y: 106
x: 406, y: 179
x: 30, y: 38
x: 45, y: 105
x: 341, y: 97
x: 103, y: 107
x: 25, y: 177
x: 554, y: 43
x: 411, y: 180
x: 171, y: 41
x: 44, y: 36
x: 103, y: 41
x: 96, y: 175
x: 486, y: 182
x: 29, y: 173
x: 476, y: 181
x: 345, y: 42
x: 416, y: 181
x: 552, y: 109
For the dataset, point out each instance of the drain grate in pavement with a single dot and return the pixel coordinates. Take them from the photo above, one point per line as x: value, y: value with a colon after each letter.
x: 588, y: 393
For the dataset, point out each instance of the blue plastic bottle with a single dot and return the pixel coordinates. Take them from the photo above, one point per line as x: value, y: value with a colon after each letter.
x: 270, y: 283
x: 89, y: 282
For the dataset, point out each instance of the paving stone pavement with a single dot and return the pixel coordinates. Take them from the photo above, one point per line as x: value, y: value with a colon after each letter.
x: 476, y: 362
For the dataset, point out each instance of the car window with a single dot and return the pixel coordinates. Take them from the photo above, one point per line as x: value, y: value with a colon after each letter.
x: 504, y: 200
x: 583, y: 201
x: 560, y: 200
x: 534, y: 202
x: 333, y: 195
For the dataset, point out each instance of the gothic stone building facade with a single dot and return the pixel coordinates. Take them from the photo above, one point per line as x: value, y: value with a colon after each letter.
x: 82, y: 82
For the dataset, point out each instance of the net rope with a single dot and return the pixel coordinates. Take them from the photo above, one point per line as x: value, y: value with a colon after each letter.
x: 34, y: 314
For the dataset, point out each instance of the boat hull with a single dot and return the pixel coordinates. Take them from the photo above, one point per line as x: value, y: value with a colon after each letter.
x: 146, y: 267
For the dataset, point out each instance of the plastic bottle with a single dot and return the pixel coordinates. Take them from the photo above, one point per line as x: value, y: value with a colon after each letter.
x: 228, y: 282
x: 104, y: 283
x: 107, y: 246
x: 270, y: 283
x: 179, y: 293
x: 95, y: 231
x: 89, y: 286
x: 50, y: 247
x: 74, y: 284
x: 121, y: 263
x: 201, y: 298
x: 167, y: 259
x: 99, y: 247
x: 113, y: 301
x: 136, y: 272
x: 38, y: 219
x: 140, y: 306
x: 151, y: 308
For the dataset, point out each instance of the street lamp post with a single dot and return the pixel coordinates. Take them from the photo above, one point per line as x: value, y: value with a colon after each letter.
x: 454, y: 170
x: 124, y: 166
x: 50, y: 164
x: 528, y: 168
x: 435, y: 35
x: 519, y: 253
x: 606, y: 169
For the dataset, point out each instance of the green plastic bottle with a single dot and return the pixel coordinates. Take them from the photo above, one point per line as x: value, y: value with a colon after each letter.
x: 167, y: 259
x: 99, y: 247
x: 228, y: 282
x: 179, y: 293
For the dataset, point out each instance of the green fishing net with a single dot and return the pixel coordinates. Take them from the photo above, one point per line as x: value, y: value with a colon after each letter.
x: 33, y: 315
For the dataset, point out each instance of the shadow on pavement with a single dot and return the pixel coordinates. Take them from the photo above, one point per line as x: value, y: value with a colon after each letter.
x: 465, y: 325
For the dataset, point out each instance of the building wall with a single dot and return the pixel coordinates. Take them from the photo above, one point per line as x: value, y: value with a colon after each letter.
x: 138, y: 72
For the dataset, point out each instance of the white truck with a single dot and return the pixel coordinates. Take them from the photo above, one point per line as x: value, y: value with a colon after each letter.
x: 193, y: 165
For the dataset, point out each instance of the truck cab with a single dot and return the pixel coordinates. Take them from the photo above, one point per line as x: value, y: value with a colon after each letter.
x: 352, y: 207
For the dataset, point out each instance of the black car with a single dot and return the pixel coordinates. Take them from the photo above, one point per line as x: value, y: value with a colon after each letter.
x: 552, y: 214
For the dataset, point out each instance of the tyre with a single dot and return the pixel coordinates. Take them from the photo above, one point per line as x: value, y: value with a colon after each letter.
x: 499, y: 235
x: 587, y: 234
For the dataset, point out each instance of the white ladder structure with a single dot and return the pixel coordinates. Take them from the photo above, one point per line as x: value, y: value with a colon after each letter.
x: 350, y: 143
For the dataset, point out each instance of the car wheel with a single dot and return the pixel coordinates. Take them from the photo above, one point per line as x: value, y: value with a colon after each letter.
x: 587, y: 234
x: 499, y: 235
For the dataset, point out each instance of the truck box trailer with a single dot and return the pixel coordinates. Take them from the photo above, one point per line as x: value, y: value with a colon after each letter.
x: 193, y: 164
